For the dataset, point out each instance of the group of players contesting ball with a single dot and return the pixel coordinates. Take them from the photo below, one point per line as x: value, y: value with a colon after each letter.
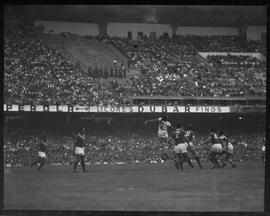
x: 183, y: 141
x: 180, y: 140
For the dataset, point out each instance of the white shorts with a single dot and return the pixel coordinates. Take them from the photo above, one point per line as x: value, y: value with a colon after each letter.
x: 191, y: 146
x: 180, y: 148
x: 41, y: 154
x: 263, y: 148
x: 216, y: 148
x: 79, y: 150
x: 163, y: 134
x: 230, y: 149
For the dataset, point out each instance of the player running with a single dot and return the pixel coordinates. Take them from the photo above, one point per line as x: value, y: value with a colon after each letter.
x: 42, y: 149
x: 191, y: 141
x: 180, y: 146
x: 216, y: 148
x: 227, y: 151
x: 163, y: 135
x: 78, y: 149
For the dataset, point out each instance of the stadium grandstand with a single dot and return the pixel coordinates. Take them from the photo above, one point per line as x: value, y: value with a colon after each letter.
x: 140, y: 59
x: 109, y: 69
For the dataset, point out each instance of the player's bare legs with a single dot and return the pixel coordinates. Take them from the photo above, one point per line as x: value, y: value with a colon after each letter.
x: 223, y: 159
x: 187, y: 159
x: 79, y: 158
x: 229, y: 160
x: 216, y: 160
x: 164, y: 142
x: 183, y: 157
x: 76, y: 162
x: 213, y: 159
x: 263, y: 156
x: 180, y: 161
x: 192, y: 151
x: 35, y: 163
x: 176, y: 161
x: 83, y: 163
x: 42, y: 162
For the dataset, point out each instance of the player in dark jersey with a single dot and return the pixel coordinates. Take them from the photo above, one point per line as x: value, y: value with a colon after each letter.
x: 216, y: 148
x: 79, y: 149
x: 191, y: 141
x: 180, y: 146
x: 42, y: 149
x: 227, y: 150
x: 163, y: 135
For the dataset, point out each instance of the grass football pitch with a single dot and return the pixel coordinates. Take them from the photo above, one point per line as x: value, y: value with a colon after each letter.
x: 136, y: 187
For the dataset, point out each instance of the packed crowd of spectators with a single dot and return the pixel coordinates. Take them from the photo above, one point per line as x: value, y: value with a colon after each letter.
x: 171, y: 68
x: 37, y: 74
x: 20, y: 149
x: 257, y: 46
x: 117, y: 72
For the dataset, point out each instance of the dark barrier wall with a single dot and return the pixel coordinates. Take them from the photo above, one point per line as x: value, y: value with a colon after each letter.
x: 132, y: 122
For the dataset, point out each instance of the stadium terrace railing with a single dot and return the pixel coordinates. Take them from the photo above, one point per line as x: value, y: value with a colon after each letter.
x: 199, y: 101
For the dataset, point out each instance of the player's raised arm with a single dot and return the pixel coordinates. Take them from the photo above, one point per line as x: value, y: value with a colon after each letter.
x: 81, y: 137
x: 152, y: 120
x: 207, y: 141
x: 174, y: 128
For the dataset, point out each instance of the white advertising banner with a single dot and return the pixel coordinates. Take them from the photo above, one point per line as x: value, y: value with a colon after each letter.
x: 116, y: 109
x: 256, y: 55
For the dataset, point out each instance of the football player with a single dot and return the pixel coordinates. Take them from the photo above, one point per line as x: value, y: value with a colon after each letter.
x: 163, y: 135
x: 180, y: 146
x: 79, y: 149
x: 191, y: 141
x: 42, y: 149
x: 216, y: 148
x: 227, y: 151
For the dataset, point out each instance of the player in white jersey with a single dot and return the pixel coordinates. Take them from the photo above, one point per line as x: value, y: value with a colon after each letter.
x: 163, y: 135
x: 227, y: 150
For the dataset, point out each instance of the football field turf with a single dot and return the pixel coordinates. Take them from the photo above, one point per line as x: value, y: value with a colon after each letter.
x: 136, y: 187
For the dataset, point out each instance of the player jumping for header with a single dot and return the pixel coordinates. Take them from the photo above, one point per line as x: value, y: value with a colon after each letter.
x: 42, y: 148
x: 163, y: 135
x: 78, y: 149
x: 191, y: 141
x: 227, y: 151
x: 180, y: 146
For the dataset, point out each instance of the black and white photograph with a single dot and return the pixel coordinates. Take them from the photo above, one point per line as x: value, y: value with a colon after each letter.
x: 157, y: 108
